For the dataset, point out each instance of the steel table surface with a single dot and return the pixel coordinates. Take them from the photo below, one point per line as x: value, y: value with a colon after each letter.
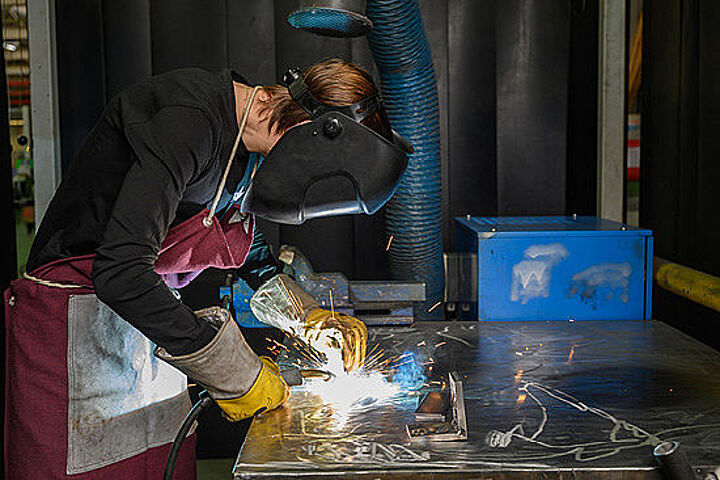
x: 542, y: 398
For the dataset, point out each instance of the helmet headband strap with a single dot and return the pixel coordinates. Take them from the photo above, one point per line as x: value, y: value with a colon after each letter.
x: 299, y: 92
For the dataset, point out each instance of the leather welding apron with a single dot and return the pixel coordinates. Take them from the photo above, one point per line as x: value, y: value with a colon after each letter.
x: 84, y: 394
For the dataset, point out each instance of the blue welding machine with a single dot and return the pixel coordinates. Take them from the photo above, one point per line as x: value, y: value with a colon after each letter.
x: 558, y: 268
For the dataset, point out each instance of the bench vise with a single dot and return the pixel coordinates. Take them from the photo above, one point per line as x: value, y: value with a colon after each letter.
x: 374, y: 302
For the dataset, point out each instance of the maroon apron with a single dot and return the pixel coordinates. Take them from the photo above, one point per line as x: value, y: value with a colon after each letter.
x: 187, y: 251
x: 47, y: 431
x: 85, y: 398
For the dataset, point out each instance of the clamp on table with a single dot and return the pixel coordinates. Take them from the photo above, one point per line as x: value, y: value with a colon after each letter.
x: 381, y: 302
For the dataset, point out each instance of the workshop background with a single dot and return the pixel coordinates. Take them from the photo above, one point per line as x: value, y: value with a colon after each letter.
x: 518, y: 97
x: 523, y: 135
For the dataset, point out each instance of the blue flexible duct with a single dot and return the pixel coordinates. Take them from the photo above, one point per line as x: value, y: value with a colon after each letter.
x: 413, y: 217
x: 330, y: 22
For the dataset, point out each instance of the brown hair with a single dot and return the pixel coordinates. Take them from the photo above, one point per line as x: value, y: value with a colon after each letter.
x: 333, y: 82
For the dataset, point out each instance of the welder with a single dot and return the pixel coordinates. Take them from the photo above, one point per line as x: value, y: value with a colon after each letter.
x: 167, y: 184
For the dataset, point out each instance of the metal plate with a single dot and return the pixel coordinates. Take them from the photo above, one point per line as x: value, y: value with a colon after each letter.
x: 451, y: 427
x: 553, y: 397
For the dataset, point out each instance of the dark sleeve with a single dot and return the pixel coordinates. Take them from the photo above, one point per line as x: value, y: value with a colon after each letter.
x: 171, y: 150
x: 260, y: 264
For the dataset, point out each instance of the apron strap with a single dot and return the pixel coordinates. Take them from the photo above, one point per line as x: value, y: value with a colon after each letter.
x: 48, y: 283
x: 207, y: 221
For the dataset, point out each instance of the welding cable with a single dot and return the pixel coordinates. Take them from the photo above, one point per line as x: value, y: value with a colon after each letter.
x: 190, y: 418
x: 292, y: 376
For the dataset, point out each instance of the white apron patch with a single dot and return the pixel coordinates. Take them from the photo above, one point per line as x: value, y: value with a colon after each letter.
x: 122, y: 400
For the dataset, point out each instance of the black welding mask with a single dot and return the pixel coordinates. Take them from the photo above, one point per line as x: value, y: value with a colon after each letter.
x: 331, y: 165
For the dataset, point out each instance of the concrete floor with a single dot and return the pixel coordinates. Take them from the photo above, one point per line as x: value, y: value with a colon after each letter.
x: 215, y: 469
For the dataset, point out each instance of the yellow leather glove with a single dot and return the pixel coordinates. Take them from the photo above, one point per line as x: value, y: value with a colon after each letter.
x: 338, y: 331
x: 267, y: 393
x: 281, y: 303
x: 240, y: 382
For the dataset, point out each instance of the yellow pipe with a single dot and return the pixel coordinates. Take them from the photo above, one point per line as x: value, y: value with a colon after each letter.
x: 692, y: 284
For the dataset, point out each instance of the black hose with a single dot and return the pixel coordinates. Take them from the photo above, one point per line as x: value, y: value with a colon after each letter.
x: 674, y: 462
x: 292, y: 376
x: 192, y: 415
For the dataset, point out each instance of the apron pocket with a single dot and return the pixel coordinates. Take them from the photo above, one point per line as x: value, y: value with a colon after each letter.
x: 122, y: 400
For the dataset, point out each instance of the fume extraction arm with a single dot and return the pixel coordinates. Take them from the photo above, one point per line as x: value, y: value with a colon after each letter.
x: 396, y: 35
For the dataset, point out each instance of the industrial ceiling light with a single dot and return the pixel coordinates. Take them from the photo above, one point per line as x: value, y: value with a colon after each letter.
x: 331, y: 18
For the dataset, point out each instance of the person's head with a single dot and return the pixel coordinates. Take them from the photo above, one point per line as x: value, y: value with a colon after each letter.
x: 323, y: 164
x: 332, y: 82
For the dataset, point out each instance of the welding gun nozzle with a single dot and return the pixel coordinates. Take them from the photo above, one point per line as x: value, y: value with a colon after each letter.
x: 294, y: 376
x: 317, y: 373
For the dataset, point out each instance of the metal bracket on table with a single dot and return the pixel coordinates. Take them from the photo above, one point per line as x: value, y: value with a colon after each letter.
x: 440, y: 416
x: 373, y: 302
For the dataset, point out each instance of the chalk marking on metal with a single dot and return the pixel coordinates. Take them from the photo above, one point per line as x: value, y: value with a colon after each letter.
x: 500, y: 439
x: 443, y: 333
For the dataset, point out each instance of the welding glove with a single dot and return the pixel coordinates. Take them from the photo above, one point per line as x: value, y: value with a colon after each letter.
x: 281, y: 303
x: 240, y: 382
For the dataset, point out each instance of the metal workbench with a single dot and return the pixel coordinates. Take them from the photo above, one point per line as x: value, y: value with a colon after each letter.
x: 543, y: 400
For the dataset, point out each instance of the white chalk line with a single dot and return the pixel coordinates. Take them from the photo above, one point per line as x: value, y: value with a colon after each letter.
x: 603, y: 449
x: 443, y: 333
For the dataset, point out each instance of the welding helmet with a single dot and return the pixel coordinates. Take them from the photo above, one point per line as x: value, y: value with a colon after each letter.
x: 331, y: 165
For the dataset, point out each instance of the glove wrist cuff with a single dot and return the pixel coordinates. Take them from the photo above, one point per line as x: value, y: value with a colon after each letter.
x: 226, y: 366
x: 255, y: 400
x: 281, y: 303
